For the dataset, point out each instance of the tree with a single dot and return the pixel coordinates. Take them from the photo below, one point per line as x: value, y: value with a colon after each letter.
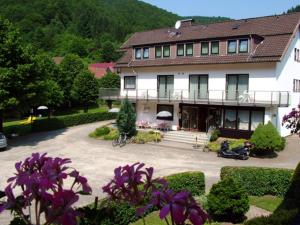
x: 85, y: 89
x: 108, y: 52
x: 70, y: 67
x: 294, y: 9
x: 20, y: 81
x: 54, y: 95
x: 110, y: 80
x: 126, y: 119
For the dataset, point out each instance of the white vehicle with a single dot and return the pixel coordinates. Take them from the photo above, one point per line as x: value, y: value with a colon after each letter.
x: 3, y: 141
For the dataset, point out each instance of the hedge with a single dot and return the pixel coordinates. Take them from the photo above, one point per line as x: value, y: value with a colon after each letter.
x: 193, y: 182
x: 259, y: 181
x: 59, y: 122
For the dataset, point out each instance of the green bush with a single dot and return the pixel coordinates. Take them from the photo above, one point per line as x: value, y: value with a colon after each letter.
x: 59, y: 122
x: 289, y: 209
x: 144, y: 137
x: 266, y: 138
x: 109, y: 213
x: 215, y: 135
x: 228, y: 201
x: 233, y: 143
x: 112, y: 135
x: 101, y: 131
x: 193, y: 182
x: 126, y: 119
x: 259, y: 181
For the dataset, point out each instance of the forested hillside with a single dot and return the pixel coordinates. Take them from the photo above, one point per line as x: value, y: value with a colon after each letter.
x: 85, y: 27
x: 294, y: 9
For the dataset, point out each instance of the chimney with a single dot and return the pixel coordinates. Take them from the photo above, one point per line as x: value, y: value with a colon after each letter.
x: 187, y: 22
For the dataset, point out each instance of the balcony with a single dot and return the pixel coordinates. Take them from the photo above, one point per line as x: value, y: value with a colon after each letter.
x: 213, y: 97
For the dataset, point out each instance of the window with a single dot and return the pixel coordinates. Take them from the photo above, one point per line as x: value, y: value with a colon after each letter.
x: 230, y: 119
x: 297, y: 55
x: 165, y: 86
x: 146, y: 53
x: 198, y: 86
x: 296, y: 85
x: 231, y: 47
x: 243, y: 119
x: 158, y: 52
x: 166, y: 51
x: 257, y: 117
x: 129, y: 82
x: 180, y: 50
x: 138, y: 53
x: 215, y: 47
x: 168, y: 108
x: 189, y: 49
x: 204, y: 48
x: 243, y: 46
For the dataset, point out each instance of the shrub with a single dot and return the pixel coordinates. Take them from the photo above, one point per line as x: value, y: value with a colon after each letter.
x: 126, y: 119
x: 233, y: 143
x: 193, y: 182
x: 228, y: 201
x: 259, y: 181
x: 101, y: 131
x: 215, y: 135
x: 144, y: 137
x: 112, y: 135
x: 266, y: 138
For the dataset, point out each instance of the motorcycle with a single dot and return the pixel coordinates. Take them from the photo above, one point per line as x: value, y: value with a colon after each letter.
x: 235, y: 153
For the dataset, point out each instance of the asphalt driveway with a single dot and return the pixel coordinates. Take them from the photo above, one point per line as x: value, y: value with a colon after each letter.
x: 97, y: 159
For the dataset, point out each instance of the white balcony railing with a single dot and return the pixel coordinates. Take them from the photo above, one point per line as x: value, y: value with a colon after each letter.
x: 251, y: 98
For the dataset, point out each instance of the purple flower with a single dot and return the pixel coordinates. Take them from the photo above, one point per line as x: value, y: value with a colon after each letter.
x: 40, y: 180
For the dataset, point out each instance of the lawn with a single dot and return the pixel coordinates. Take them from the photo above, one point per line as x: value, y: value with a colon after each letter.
x: 268, y: 202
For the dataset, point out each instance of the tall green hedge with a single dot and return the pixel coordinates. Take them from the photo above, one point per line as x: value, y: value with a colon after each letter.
x: 59, y: 122
x: 260, y: 181
x: 193, y: 182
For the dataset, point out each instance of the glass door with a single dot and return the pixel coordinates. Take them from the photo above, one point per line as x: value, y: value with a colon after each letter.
x: 190, y: 118
x: 236, y: 86
x: 198, y: 86
x: 165, y: 86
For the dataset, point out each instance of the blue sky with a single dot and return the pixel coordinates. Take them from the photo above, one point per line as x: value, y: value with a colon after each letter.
x: 235, y: 9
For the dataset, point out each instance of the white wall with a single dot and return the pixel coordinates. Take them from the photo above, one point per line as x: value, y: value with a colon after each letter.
x: 287, y: 70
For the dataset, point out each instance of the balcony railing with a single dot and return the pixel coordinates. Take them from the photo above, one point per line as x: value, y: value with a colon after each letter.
x: 250, y: 98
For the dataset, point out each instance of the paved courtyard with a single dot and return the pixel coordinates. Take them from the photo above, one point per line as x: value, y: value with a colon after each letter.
x: 97, y: 159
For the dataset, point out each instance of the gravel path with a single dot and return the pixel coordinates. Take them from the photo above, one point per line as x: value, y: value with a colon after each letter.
x: 96, y: 159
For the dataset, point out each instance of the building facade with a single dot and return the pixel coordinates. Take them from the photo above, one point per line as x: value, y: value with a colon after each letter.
x: 232, y: 75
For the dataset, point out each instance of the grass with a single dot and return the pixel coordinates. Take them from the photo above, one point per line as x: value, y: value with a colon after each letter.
x: 153, y: 219
x: 268, y: 202
x: 233, y: 143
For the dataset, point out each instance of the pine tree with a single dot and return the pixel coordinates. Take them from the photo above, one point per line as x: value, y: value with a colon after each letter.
x: 126, y: 119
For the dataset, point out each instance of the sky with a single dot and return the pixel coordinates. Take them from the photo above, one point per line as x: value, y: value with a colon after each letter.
x: 235, y: 9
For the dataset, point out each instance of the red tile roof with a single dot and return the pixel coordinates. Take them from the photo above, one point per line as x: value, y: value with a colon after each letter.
x: 276, y: 33
x: 100, y: 69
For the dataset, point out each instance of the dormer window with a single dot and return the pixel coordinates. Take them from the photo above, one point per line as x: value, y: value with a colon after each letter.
x: 180, y: 50
x: 166, y: 51
x: 231, y: 47
x: 214, y: 47
x: 138, y: 53
x: 243, y: 45
x: 146, y: 53
x: 189, y: 49
x: 158, y: 52
x: 204, y: 48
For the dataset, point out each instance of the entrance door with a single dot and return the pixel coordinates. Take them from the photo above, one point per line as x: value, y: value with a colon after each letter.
x: 165, y: 86
x: 194, y: 118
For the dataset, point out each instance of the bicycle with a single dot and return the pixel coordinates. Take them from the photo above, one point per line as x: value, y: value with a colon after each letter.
x: 121, y: 140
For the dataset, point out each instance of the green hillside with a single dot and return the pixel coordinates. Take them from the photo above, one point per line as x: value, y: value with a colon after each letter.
x: 82, y: 27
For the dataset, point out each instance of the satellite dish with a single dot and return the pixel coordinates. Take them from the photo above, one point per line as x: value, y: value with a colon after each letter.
x: 177, y: 24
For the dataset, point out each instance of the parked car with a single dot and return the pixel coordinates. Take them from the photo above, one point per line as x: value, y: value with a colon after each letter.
x: 3, y: 141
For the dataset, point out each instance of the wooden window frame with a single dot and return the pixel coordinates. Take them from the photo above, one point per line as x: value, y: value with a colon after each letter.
x: 186, y: 49
x: 155, y: 49
x: 204, y: 42
x: 211, y: 47
x: 243, y: 39
x: 125, y: 77
x: 183, y: 50
x: 163, y: 51
x: 236, y: 46
x: 135, y: 50
x: 148, y: 52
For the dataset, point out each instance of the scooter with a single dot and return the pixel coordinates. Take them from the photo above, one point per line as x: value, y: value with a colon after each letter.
x: 235, y: 153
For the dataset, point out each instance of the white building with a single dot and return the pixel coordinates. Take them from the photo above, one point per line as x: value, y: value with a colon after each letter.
x: 233, y: 75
